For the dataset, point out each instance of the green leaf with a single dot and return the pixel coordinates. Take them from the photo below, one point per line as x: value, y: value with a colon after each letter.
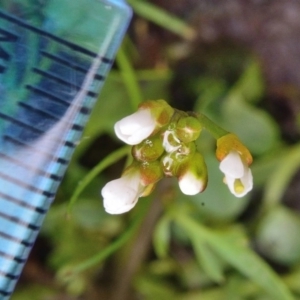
x: 161, y: 237
x: 240, y: 256
x: 264, y: 166
x: 152, y: 288
x: 254, y: 126
x: 251, y: 83
x: 278, y: 236
x: 280, y: 178
x: 207, y: 259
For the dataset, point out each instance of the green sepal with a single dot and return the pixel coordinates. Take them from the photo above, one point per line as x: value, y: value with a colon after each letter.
x: 151, y: 172
x: 160, y: 110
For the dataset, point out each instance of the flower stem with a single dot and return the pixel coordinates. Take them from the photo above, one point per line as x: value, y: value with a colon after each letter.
x: 129, y: 78
x: 107, y: 161
x: 215, y: 130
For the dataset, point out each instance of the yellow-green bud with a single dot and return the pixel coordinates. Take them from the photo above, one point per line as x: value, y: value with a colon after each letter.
x: 149, y: 150
x: 188, y: 129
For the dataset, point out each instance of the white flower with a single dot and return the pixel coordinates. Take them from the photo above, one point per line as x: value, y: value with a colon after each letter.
x: 238, y: 176
x: 121, y: 195
x: 191, y: 185
x: 135, y: 128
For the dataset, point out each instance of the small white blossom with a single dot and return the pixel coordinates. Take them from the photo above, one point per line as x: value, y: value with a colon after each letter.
x: 191, y: 185
x: 135, y: 128
x: 121, y: 195
x: 238, y: 176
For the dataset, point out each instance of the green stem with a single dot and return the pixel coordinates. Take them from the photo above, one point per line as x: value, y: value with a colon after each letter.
x: 215, y: 130
x: 107, y: 161
x: 129, y: 78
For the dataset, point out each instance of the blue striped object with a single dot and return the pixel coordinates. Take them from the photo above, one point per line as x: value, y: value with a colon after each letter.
x: 54, y: 57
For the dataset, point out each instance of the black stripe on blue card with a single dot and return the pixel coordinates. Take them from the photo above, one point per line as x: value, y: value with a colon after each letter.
x: 14, y: 239
x: 73, y: 46
x: 11, y: 257
x: 18, y: 221
x: 22, y: 203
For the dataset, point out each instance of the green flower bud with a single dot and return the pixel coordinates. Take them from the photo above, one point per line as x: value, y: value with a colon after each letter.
x: 188, y: 129
x: 149, y: 150
x: 151, y: 172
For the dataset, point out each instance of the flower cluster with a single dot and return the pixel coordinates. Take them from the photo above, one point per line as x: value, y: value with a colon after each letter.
x: 163, y: 145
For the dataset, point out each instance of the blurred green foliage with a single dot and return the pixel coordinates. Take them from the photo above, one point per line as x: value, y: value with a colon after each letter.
x: 210, y: 246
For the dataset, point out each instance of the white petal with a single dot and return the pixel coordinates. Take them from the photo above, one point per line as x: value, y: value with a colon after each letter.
x: 232, y: 165
x: 135, y: 128
x: 190, y: 185
x: 120, y: 195
x: 230, y: 183
x: 246, y: 180
x: 114, y: 207
x: 140, y: 135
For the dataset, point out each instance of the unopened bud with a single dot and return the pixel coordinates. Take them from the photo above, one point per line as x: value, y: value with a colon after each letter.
x: 188, y: 129
x: 149, y: 150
